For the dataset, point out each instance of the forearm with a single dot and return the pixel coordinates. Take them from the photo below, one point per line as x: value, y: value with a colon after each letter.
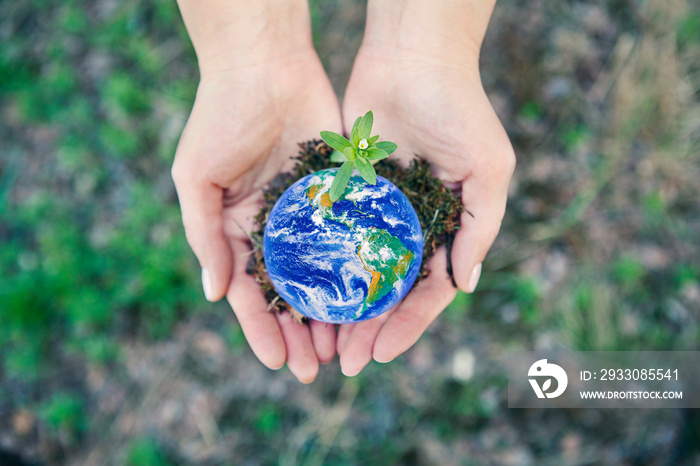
x: 228, y: 33
x: 445, y: 28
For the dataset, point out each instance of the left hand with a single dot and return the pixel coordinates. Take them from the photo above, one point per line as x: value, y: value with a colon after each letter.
x: 434, y: 107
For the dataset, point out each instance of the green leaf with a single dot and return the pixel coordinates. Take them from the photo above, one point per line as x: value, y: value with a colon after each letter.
x: 375, y: 153
x: 372, y: 140
x: 342, y: 178
x: 365, y: 125
x: 366, y: 170
x: 336, y: 141
x: 337, y: 157
x: 350, y: 153
x: 357, y: 122
x: 355, y: 137
x: 386, y: 146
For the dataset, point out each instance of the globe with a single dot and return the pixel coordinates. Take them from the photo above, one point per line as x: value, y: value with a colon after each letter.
x: 344, y: 261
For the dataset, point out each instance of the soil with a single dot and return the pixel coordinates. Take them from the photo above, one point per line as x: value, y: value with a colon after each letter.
x: 422, y: 189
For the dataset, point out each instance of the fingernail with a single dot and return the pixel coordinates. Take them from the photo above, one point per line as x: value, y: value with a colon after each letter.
x: 474, y: 279
x: 206, y: 284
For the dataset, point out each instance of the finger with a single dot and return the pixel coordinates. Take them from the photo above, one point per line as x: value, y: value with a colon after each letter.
x: 323, y: 336
x: 301, y: 356
x: 416, y: 312
x: 484, y: 194
x: 344, y: 332
x: 259, y: 326
x: 201, y: 205
x: 357, y: 350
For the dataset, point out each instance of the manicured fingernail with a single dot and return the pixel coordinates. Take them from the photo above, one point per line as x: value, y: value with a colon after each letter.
x: 474, y: 279
x: 206, y: 284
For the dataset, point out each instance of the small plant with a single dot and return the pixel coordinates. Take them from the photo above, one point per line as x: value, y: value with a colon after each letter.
x: 362, y: 151
x: 65, y: 414
x: 146, y: 451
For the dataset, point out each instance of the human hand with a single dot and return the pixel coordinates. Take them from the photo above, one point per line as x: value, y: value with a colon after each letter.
x: 427, y: 97
x: 253, y: 105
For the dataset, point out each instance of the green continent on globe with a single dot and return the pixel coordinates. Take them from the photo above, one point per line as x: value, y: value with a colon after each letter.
x: 386, y: 258
x: 383, y: 255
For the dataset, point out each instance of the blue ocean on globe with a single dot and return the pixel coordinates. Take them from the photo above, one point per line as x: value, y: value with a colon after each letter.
x: 344, y: 261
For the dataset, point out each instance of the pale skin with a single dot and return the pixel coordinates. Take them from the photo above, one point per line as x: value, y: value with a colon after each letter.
x: 263, y: 89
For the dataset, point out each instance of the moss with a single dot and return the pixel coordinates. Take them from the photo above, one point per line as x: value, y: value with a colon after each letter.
x: 422, y: 189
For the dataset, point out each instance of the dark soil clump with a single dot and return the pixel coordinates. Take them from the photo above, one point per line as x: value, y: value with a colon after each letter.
x: 437, y: 207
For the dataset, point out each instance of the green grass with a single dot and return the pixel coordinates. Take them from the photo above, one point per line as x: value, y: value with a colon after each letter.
x: 146, y: 451
x: 65, y: 414
x: 76, y: 267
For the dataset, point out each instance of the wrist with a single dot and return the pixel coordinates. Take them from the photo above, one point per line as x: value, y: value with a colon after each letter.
x: 231, y: 34
x: 452, y: 30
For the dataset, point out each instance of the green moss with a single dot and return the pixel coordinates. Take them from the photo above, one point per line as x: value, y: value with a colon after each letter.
x: 122, y: 92
x: 73, y: 19
x: 268, y: 419
x: 65, y: 413
x: 146, y: 451
x: 118, y: 142
x: 531, y: 111
x: 628, y: 272
x: 687, y: 29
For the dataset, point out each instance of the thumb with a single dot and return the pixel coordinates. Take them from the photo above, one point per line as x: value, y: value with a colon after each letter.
x: 484, y: 196
x: 201, y: 203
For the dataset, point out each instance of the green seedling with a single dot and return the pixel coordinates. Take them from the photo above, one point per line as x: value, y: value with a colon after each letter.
x: 361, y: 151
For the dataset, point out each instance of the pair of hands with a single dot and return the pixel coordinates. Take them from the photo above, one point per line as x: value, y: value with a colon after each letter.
x: 244, y: 127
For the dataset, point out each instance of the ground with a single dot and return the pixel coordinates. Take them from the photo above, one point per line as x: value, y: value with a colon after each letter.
x: 110, y: 355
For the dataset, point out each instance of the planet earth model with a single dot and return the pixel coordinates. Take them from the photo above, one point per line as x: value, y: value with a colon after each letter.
x: 344, y: 261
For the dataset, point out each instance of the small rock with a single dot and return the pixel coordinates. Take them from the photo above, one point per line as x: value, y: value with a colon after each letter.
x: 654, y: 257
x: 691, y: 292
x: 630, y: 324
x: 111, y: 399
x: 421, y: 357
x: 489, y: 400
x: 28, y: 261
x: 170, y: 411
x: 126, y: 422
x: 558, y: 87
x: 510, y: 313
x: 161, y: 233
x: 211, y: 346
x: 571, y: 447
x: 518, y: 456
x: 463, y: 365
x: 96, y: 378
x: 676, y: 311
x: 545, y: 341
x: 22, y: 422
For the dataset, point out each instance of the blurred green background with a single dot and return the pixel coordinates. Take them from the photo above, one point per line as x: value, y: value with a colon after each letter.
x: 109, y: 353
